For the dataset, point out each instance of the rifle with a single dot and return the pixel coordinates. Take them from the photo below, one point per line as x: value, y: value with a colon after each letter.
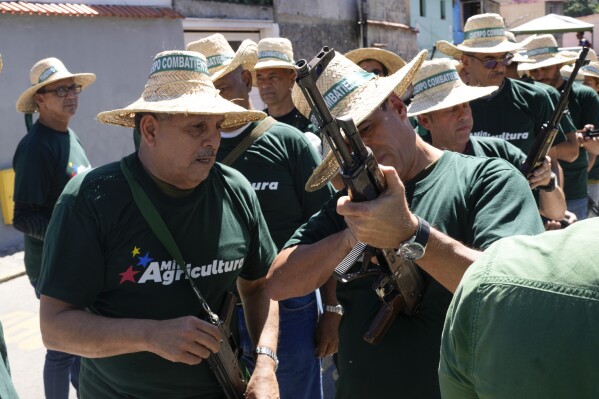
x: 399, y: 284
x: 591, y: 133
x: 548, y: 131
x: 225, y: 364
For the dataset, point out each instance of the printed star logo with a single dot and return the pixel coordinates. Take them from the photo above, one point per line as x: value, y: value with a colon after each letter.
x: 143, y: 261
x: 128, y: 275
x: 135, y: 252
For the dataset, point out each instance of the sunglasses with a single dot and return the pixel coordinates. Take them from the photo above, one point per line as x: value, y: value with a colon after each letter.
x: 63, y: 91
x: 492, y: 63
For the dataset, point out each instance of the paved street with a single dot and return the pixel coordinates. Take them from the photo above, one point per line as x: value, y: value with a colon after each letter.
x: 20, y: 318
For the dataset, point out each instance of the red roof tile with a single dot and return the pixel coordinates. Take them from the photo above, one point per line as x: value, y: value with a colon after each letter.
x: 82, y: 10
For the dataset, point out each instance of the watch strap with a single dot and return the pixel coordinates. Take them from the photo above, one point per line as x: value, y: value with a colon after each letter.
x: 266, y: 351
x: 334, y: 309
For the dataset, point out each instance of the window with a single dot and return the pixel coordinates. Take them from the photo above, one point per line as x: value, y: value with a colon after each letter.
x: 423, y: 8
x: 442, y: 2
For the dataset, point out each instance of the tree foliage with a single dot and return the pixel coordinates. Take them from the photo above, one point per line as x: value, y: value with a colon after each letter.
x: 578, y: 8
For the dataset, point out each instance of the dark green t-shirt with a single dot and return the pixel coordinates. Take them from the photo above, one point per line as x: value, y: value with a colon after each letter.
x: 7, y: 389
x: 514, y: 113
x: 295, y: 119
x: 44, y: 162
x: 583, y: 104
x: 474, y: 200
x: 278, y: 164
x: 99, y: 254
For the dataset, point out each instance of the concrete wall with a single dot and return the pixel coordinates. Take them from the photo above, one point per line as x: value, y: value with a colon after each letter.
x: 312, y: 24
x: 118, y: 50
x: 431, y: 28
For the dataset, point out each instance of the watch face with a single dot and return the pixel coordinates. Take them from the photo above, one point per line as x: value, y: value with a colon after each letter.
x: 411, y: 251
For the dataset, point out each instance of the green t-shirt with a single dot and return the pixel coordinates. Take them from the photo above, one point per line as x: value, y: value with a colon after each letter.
x: 296, y: 119
x: 514, y: 113
x: 99, y: 254
x: 523, y: 322
x: 44, y: 162
x: 583, y: 104
x: 7, y: 389
x: 474, y: 200
x: 278, y: 164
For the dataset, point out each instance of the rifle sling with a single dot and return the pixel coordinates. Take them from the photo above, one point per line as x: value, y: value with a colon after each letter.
x: 247, y: 142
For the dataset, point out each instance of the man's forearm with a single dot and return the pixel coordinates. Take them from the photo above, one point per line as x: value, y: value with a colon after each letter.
x: 299, y: 270
x: 67, y: 328
x: 446, y: 259
x: 261, y: 313
x: 73, y: 330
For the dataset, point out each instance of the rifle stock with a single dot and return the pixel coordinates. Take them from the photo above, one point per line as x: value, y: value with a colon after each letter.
x: 548, y: 131
x: 399, y: 284
x: 225, y: 364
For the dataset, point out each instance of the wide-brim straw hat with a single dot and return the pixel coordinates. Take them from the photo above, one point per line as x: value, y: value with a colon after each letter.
x: 591, y: 70
x: 437, y: 85
x: 543, y: 49
x: 483, y: 33
x: 276, y: 52
x: 220, y: 55
x: 349, y: 90
x: 585, y: 70
x: 390, y: 60
x: 42, y: 74
x: 179, y: 83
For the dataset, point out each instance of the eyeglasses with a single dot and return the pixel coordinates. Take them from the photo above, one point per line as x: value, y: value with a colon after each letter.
x: 492, y: 63
x: 63, y: 91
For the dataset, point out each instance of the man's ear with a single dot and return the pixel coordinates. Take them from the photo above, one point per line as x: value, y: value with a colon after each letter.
x: 465, y: 60
x: 39, y: 100
x: 148, y: 127
x: 424, y: 120
x: 394, y: 101
x: 246, y: 77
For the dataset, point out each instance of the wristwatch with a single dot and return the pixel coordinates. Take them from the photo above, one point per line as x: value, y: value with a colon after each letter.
x: 263, y: 350
x: 334, y: 309
x: 414, y: 248
x: 552, y: 184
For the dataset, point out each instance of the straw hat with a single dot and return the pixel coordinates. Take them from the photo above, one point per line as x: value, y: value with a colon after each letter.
x: 45, y: 72
x: 390, y: 60
x: 591, y: 70
x: 566, y: 70
x: 349, y: 90
x: 275, y: 52
x: 437, y: 85
x: 483, y: 33
x: 179, y: 84
x: 543, y: 49
x: 221, y: 57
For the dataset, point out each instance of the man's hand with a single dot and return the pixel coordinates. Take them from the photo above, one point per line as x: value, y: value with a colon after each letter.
x: 186, y: 339
x: 591, y: 144
x: 541, y: 175
x: 327, y: 334
x: 384, y: 222
x: 263, y: 383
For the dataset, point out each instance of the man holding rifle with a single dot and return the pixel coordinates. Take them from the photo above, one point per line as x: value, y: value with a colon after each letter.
x: 111, y: 289
x: 516, y: 111
x: 447, y: 204
x: 583, y: 104
x: 447, y: 116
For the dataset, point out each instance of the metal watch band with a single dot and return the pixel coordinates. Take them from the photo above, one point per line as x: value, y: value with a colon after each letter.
x: 552, y: 184
x: 334, y: 309
x: 264, y: 350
